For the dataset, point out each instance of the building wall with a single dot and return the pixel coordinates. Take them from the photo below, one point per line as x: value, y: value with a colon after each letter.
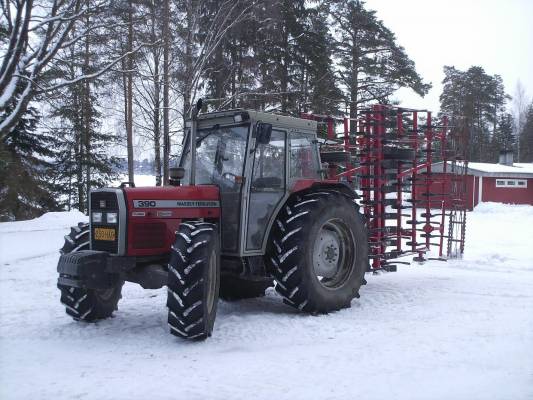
x: 473, y: 183
x: 488, y: 192
x: 506, y: 194
x: 471, y: 192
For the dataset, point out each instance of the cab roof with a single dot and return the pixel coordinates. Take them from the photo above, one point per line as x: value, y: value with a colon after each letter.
x: 279, y: 121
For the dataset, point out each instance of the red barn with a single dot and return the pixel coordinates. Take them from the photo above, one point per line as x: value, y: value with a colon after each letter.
x: 501, y: 183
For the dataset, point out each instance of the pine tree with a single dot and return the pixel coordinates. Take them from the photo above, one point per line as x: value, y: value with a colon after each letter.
x: 25, y: 190
x: 372, y: 65
x: 503, y: 138
x: 278, y: 51
x: 526, y: 137
x: 478, y: 97
x: 319, y: 92
x: 82, y: 160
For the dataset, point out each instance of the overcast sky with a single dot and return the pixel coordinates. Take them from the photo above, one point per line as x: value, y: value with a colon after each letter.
x: 494, y: 34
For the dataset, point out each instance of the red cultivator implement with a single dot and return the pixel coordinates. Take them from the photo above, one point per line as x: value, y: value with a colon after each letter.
x: 411, y: 174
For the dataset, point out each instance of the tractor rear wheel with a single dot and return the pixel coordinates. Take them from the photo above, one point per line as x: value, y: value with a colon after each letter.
x: 318, y: 252
x: 87, y: 304
x: 193, y: 280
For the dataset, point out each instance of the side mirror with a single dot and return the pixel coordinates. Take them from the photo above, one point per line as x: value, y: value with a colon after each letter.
x: 264, y: 131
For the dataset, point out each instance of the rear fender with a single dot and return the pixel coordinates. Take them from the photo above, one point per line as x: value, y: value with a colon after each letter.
x: 304, y: 186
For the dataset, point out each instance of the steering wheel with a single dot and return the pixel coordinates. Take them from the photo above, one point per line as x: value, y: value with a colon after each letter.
x: 230, y: 177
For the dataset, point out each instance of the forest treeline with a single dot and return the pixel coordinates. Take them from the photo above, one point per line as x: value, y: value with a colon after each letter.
x: 85, y: 81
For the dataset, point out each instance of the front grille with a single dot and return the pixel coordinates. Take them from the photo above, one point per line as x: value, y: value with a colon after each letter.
x: 148, y: 235
x: 110, y: 199
x: 109, y: 202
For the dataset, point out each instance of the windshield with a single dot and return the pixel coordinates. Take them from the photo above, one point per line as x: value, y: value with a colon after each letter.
x: 220, y: 154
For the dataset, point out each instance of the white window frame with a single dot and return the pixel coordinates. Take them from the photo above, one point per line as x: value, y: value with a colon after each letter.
x: 506, y: 183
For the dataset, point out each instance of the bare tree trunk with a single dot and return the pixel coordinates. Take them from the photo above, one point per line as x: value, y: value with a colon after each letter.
x: 354, y: 87
x: 284, y: 76
x: 87, y: 118
x: 157, y: 107
x: 129, y: 94
x: 188, y: 63
x: 519, y: 108
x: 354, y: 94
x: 166, y: 102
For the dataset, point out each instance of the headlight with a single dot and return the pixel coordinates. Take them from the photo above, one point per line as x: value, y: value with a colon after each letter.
x: 97, y: 217
x: 111, y: 218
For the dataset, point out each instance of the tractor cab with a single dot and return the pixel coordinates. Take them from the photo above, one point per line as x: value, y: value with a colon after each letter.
x: 254, y: 158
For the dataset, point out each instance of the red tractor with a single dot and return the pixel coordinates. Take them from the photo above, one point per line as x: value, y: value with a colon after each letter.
x: 249, y: 207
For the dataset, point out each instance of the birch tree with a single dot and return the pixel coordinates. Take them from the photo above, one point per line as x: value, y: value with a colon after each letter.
x: 35, y: 31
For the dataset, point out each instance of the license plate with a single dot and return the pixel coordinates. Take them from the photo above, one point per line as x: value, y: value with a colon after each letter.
x: 104, y: 234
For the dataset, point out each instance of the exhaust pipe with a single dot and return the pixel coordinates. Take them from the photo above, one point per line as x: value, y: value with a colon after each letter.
x: 192, y: 149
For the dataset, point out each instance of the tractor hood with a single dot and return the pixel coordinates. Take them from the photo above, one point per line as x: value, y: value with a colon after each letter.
x: 173, y: 202
x: 155, y: 213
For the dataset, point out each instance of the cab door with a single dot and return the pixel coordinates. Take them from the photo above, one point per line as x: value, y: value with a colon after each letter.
x: 268, y: 183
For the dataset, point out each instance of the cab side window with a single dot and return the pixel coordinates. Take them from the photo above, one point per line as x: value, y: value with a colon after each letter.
x: 303, y: 156
x: 269, y: 164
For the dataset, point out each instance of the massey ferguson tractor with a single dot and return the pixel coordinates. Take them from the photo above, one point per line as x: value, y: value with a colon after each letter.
x: 254, y: 203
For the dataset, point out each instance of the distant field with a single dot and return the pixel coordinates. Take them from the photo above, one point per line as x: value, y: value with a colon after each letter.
x: 140, y: 180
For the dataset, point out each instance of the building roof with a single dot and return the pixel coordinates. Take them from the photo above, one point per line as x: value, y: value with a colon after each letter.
x: 517, y: 170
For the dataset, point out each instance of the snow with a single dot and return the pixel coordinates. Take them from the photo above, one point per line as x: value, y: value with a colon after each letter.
x: 516, y: 168
x: 456, y: 330
x: 140, y: 180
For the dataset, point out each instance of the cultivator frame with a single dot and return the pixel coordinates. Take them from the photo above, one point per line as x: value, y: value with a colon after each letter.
x: 407, y: 205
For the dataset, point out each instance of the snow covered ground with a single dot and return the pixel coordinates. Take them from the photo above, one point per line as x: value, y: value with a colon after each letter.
x: 456, y: 330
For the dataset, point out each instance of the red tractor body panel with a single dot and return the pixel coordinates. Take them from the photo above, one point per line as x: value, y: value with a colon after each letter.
x: 303, y: 184
x: 154, y: 214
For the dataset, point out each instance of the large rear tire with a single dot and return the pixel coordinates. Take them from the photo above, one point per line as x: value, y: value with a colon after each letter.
x: 193, y: 280
x: 86, y: 304
x: 318, y: 252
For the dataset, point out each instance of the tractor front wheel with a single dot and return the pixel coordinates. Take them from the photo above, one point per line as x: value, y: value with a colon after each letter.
x: 87, y: 304
x: 318, y: 252
x: 193, y: 280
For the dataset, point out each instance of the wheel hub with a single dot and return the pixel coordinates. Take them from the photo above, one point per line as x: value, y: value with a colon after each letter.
x: 333, y: 253
x: 326, y: 254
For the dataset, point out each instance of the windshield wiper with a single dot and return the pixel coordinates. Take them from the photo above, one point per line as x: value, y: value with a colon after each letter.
x: 199, y: 140
x: 213, y: 130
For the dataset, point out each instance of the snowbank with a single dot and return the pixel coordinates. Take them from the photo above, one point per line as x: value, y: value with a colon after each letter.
x: 37, y: 237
